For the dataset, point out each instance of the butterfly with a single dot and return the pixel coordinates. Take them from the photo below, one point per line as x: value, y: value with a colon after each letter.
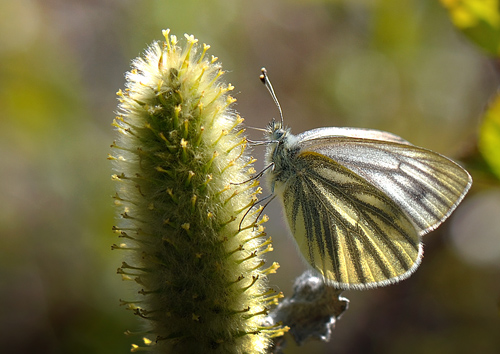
x: 358, y: 201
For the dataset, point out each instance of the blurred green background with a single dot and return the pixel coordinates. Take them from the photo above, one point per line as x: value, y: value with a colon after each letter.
x: 392, y: 65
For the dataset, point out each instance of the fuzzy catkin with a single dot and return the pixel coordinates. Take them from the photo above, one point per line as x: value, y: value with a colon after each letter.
x: 179, y: 155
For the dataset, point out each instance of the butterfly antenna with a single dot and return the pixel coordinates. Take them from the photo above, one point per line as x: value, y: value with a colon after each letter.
x: 265, y: 80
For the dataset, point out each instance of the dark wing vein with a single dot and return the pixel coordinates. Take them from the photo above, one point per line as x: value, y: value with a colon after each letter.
x: 368, y: 240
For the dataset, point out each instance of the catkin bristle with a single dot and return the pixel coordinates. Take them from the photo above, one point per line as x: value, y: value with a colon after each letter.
x: 179, y: 155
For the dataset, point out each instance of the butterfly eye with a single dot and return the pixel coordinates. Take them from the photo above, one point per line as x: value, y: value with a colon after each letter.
x: 278, y: 134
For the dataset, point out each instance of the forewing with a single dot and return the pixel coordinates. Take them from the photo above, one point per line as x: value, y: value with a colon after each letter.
x: 425, y: 184
x: 361, y: 133
x: 354, y: 234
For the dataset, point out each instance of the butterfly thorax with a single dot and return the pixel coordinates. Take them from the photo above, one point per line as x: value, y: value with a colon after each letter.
x: 281, y: 151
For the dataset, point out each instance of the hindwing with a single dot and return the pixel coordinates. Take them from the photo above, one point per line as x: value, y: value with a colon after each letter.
x: 345, y: 227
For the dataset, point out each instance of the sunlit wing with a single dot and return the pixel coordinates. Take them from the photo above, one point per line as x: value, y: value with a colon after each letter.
x: 425, y: 185
x: 360, y: 133
x: 346, y: 228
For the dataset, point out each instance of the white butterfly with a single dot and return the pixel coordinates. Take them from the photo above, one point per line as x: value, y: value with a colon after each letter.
x: 358, y: 201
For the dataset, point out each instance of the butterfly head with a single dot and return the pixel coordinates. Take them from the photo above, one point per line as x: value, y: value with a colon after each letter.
x: 275, y: 132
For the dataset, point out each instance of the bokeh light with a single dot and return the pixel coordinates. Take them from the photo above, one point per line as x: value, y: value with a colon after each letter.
x: 475, y: 230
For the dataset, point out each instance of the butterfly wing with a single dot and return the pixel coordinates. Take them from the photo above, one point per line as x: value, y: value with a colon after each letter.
x: 361, y: 133
x: 345, y: 227
x: 425, y: 184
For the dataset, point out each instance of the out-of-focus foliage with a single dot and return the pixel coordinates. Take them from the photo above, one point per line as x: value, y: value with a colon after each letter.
x: 382, y: 64
x: 479, y: 20
x: 489, y: 137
